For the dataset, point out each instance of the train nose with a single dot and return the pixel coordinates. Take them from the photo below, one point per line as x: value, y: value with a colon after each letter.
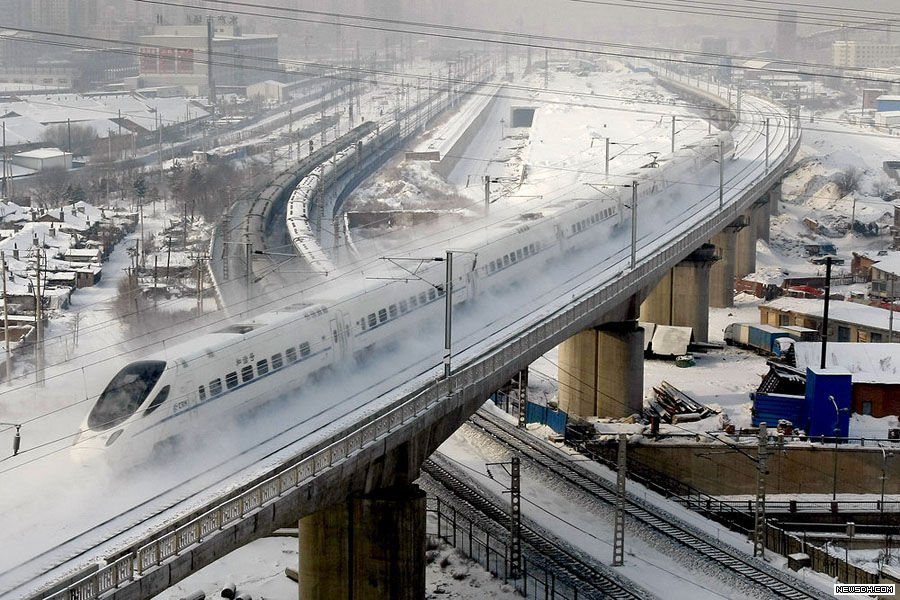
x: 90, y: 445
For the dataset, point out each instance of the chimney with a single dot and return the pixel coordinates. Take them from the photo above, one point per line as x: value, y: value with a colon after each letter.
x: 62, y: 214
x: 16, y: 251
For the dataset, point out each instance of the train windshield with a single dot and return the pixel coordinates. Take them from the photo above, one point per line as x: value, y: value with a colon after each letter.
x: 125, y: 393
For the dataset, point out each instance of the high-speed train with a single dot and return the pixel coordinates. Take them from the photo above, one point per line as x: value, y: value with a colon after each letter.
x: 155, y: 400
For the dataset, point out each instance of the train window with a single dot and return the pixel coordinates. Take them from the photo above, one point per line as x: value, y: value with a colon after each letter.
x: 525, y: 251
x: 262, y: 367
x: 382, y: 315
x: 276, y: 361
x: 160, y: 398
x: 305, y: 349
x: 573, y: 229
x: 372, y: 321
x: 125, y: 394
x: 215, y: 387
x: 533, y: 249
x: 392, y: 310
x: 492, y: 267
x: 291, y: 355
x: 404, y: 307
x: 440, y: 291
x: 519, y: 254
x: 231, y: 380
x: 201, y: 391
x: 413, y: 302
x: 506, y: 260
x: 423, y: 298
x: 432, y: 294
x: 247, y: 373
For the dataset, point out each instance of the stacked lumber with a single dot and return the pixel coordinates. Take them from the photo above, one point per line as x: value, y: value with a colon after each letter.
x: 671, y: 405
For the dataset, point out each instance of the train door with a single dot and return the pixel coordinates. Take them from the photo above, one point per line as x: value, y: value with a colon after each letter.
x: 340, y: 333
x: 185, y: 394
x: 471, y: 282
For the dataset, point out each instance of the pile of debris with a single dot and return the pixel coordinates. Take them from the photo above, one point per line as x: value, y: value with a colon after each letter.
x: 671, y: 405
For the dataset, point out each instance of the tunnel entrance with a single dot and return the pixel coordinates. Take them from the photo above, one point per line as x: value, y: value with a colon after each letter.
x: 522, y: 116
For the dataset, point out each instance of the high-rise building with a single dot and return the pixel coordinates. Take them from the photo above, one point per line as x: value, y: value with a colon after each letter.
x: 854, y: 54
x: 786, y: 34
x: 63, y: 16
x: 177, y: 55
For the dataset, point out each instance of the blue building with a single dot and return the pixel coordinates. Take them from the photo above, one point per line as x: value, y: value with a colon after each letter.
x: 887, y: 103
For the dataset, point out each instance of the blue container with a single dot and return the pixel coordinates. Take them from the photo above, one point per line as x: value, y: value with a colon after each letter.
x: 552, y: 417
x: 771, y: 408
x: 828, y: 397
x: 762, y: 337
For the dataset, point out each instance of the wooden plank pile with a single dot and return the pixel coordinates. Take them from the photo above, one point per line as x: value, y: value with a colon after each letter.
x: 671, y: 405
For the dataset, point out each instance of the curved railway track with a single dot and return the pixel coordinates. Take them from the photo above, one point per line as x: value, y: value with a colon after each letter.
x: 560, y: 465
x: 595, y: 582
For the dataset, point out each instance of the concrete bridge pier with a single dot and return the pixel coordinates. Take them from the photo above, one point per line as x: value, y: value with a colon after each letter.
x: 681, y: 298
x: 745, y: 245
x: 774, y: 198
x: 763, y: 217
x: 620, y: 376
x: 721, y: 275
x: 369, y: 547
x: 601, y: 371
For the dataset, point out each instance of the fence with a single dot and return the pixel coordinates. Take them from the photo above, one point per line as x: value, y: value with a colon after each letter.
x: 536, y: 580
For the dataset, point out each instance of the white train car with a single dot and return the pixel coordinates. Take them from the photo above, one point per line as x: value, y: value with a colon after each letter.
x: 150, y: 402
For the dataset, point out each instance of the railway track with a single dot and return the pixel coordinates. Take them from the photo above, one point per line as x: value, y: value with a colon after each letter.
x: 560, y: 465
x: 595, y: 581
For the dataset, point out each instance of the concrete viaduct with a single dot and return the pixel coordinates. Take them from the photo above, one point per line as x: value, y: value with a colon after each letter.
x: 361, y: 517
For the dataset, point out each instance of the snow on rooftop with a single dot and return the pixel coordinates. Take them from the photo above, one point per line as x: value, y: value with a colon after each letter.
x: 849, y: 312
x: 888, y: 262
x: 42, y: 153
x: 867, y: 363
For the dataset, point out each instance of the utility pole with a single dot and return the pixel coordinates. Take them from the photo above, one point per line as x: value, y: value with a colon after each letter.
x: 249, y: 250
x: 721, y: 177
x: 891, y: 315
x: 39, y: 333
x: 515, y: 513
x: 522, y: 381
x: 825, y: 311
x: 619, y: 532
x: 673, y: 134
x: 5, y: 167
x: 515, y: 519
x: 606, y: 159
x: 209, y: 63
x: 6, y: 322
x: 759, y: 511
x: 634, y: 199
x: 487, y: 195
x: 448, y: 310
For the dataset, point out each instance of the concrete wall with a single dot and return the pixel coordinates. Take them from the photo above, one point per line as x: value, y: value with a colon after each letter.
x: 452, y: 156
x: 718, y: 470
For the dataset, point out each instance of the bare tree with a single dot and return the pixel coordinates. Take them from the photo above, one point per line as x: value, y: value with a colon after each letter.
x: 848, y: 180
x: 78, y: 139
